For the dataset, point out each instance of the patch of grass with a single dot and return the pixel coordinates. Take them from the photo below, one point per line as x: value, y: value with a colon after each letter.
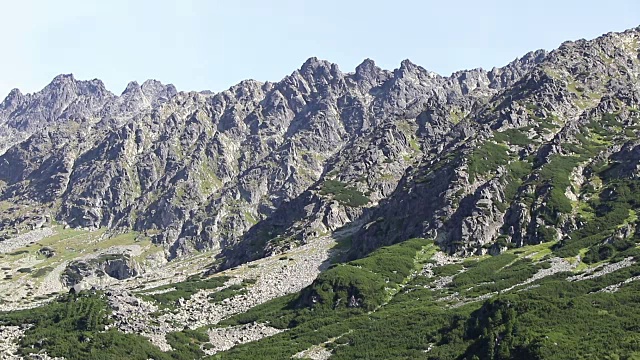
x: 73, y: 327
x: 186, y: 344
x: 42, y: 272
x: 514, y: 178
x: 478, y: 271
x: 535, y: 252
x: 365, y: 280
x: 556, y: 174
x: 227, y: 293
x: 128, y: 238
x: 19, y: 252
x: 486, y: 159
x: 393, y: 262
x: 250, y: 218
x: 183, y: 290
x: 414, y: 145
x: 335, y: 287
x: 505, y: 277
x: 513, y: 137
x: 209, y: 181
x: 613, y: 207
x: 345, y: 195
x: 448, y: 270
x: 277, y: 312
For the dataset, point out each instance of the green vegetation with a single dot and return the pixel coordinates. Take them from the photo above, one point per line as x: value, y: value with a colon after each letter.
x: 345, y: 195
x: 514, y: 178
x: 231, y: 291
x: 365, y: 281
x: 513, y: 137
x: 277, y: 312
x: 394, y: 262
x: 334, y: 288
x: 543, y: 121
x: 250, y: 218
x: 596, y: 136
x: 456, y: 115
x: 554, y: 179
x: 186, y: 344
x: 42, y: 272
x: 613, y: 209
x: 555, y: 176
x: 397, y: 315
x: 183, y: 289
x: 73, y: 327
x: 557, y: 319
x: 414, y: 145
x: 448, y: 270
x: 370, y: 281
x: 19, y: 252
x: 209, y: 181
x: 483, y: 270
x: 498, y: 280
x: 486, y: 159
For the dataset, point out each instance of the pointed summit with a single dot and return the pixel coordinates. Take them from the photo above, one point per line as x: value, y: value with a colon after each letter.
x: 310, y: 63
x: 62, y: 81
x: 132, y: 87
x: 93, y: 87
x: 313, y: 64
x: 14, y: 97
x: 407, y: 65
x: 63, y: 78
x: 15, y: 92
x: 154, y: 89
x: 367, y: 69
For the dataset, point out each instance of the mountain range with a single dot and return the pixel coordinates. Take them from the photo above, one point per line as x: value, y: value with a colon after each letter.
x: 542, y: 154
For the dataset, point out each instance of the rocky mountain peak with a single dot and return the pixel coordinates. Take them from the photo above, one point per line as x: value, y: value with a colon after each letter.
x: 94, y: 88
x: 63, y: 84
x: 314, y: 63
x: 328, y: 167
x: 223, y: 170
x: 413, y: 72
x: 370, y: 73
x: 65, y: 88
x: 14, y: 97
x: 367, y: 68
x: 154, y: 88
x: 62, y: 78
x: 132, y: 87
x: 314, y: 69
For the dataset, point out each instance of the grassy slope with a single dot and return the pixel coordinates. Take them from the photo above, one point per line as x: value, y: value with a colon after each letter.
x: 555, y: 319
x: 402, y: 314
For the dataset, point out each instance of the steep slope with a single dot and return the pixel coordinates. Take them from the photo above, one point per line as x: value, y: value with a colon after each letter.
x: 517, y: 172
x: 478, y: 161
x: 317, y: 217
x: 197, y: 171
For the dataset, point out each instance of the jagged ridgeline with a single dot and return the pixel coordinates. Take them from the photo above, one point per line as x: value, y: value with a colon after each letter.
x: 262, y: 165
x: 479, y: 161
x: 347, y: 193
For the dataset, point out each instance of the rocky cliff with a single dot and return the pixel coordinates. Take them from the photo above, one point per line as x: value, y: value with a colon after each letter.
x: 479, y: 161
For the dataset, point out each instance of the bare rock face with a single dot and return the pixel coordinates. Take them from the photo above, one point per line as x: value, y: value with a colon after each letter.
x: 116, y: 266
x: 474, y: 192
x: 262, y: 167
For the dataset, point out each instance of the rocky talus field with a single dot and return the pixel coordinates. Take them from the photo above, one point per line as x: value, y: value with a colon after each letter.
x: 373, y: 214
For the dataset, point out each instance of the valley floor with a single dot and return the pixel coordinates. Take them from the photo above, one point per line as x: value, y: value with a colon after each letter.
x: 263, y: 307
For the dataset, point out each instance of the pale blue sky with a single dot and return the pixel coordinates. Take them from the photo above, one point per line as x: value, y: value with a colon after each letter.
x: 198, y: 45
